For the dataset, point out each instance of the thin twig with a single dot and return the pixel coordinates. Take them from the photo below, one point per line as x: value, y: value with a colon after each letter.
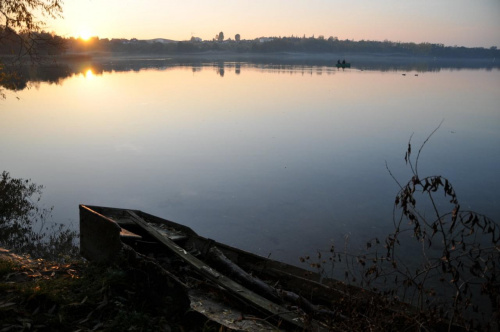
x: 422, y: 146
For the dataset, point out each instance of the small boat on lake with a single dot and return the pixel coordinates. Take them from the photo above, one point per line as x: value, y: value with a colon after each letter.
x: 343, y: 65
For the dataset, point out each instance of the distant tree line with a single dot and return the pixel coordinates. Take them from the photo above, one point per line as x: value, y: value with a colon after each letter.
x: 279, y: 44
x: 32, y: 44
x: 334, y: 45
x: 10, y: 45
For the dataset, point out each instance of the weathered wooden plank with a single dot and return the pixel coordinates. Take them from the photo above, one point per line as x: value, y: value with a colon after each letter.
x: 238, y: 274
x: 129, y: 235
x: 99, y: 236
x: 229, y: 285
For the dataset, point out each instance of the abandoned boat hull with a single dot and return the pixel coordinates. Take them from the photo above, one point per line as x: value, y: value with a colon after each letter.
x: 98, y: 243
x: 104, y: 231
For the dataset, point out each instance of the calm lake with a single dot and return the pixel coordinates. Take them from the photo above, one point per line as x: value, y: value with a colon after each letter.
x: 279, y: 160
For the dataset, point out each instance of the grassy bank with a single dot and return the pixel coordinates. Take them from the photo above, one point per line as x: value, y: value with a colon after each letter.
x: 38, y: 295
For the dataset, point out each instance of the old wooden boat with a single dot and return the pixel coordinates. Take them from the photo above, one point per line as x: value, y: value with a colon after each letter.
x: 286, y: 295
x: 237, y: 289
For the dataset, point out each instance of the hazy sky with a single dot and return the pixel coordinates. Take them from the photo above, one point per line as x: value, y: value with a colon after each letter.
x: 451, y: 22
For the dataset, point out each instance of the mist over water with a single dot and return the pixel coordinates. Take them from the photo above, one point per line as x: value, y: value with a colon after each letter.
x: 277, y: 159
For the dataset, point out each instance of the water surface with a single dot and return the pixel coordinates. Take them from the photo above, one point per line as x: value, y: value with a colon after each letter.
x: 278, y: 160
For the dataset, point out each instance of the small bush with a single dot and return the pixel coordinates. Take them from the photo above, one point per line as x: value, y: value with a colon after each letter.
x: 25, y: 227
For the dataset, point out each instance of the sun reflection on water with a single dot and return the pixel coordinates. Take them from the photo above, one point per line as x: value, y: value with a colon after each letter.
x: 89, y: 74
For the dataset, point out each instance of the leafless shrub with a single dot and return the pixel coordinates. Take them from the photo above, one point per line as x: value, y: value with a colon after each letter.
x: 440, y: 259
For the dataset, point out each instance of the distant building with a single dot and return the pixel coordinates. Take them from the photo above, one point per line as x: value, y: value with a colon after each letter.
x: 160, y: 40
x: 265, y: 39
x: 119, y: 41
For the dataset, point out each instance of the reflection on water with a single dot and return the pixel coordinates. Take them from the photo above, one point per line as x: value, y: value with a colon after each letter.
x: 55, y: 73
x: 272, y: 158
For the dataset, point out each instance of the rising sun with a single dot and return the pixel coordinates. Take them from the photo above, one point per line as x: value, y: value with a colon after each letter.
x: 85, y: 35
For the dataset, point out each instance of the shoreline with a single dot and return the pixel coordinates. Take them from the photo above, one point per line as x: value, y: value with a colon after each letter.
x: 225, y: 55
x: 372, y: 61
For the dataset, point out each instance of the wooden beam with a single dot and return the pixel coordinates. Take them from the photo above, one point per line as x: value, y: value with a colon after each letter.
x: 224, y: 282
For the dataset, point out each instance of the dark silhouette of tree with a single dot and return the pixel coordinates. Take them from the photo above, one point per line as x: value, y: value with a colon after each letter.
x: 237, y: 37
x: 20, y: 27
x: 21, y: 35
x: 18, y: 15
x: 220, y: 37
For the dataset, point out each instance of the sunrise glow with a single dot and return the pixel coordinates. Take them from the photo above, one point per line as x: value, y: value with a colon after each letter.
x: 85, y: 35
x: 89, y: 74
x: 451, y: 22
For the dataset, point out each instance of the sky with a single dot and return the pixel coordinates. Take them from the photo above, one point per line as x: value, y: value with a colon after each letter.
x: 450, y: 22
